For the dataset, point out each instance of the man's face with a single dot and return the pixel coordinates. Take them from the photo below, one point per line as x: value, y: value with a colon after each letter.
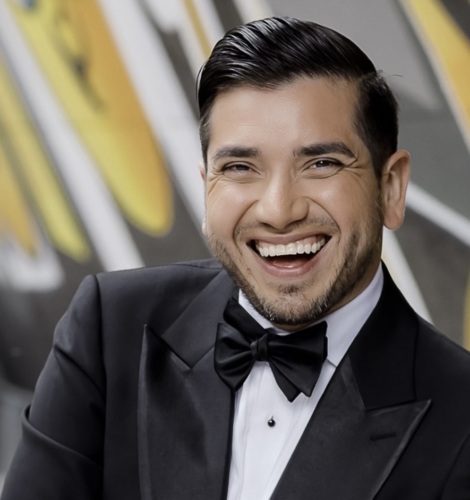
x: 298, y: 245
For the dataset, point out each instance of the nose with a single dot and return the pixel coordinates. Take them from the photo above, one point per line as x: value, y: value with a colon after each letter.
x: 281, y: 203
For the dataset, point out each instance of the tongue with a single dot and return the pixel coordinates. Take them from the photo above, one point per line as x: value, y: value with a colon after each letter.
x: 289, y: 261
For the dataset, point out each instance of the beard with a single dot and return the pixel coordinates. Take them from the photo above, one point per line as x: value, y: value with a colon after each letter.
x: 292, y: 305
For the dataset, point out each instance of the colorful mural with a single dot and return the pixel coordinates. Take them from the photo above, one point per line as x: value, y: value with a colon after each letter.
x: 443, y: 28
x: 99, y: 153
x: 99, y: 150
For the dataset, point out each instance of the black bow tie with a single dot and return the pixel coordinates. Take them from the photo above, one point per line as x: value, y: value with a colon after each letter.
x: 295, y: 359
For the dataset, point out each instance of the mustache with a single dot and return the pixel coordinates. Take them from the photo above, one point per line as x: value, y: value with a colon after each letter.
x: 323, y: 222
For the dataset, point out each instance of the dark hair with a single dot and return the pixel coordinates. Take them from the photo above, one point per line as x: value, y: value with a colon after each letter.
x: 276, y: 50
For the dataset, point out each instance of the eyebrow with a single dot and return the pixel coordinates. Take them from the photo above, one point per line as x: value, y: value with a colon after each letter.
x: 316, y: 149
x: 235, y: 151
x: 323, y: 148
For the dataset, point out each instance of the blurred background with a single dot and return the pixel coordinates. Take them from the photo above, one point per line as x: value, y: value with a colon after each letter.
x: 99, y: 151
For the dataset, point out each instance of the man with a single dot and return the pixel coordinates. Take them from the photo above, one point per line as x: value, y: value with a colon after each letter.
x: 162, y: 383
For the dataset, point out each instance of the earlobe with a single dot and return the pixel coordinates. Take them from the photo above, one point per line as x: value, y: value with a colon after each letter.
x: 394, y: 183
x: 204, y: 226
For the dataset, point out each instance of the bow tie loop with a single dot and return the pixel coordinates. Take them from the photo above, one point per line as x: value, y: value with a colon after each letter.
x: 295, y: 359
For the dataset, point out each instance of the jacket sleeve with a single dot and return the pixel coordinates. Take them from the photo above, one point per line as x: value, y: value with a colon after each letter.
x: 60, y: 454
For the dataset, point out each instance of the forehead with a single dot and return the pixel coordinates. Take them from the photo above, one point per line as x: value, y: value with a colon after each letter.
x: 304, y: 110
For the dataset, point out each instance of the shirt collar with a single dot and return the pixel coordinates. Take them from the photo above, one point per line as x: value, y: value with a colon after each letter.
x: 343, y: 324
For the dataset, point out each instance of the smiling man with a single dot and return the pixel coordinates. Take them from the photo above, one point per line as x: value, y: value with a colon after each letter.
x: 290, y: 367
x: 303, y: 232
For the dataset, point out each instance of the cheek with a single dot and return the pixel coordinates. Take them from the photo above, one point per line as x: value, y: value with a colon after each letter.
x: 225, y: 207
x: 351, y: 204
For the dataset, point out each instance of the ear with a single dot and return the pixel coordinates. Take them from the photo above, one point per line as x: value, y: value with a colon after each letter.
x: 203, y: 172
x: 394, y: 182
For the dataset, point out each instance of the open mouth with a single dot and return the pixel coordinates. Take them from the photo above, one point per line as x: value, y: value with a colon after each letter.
x: 294, y: 253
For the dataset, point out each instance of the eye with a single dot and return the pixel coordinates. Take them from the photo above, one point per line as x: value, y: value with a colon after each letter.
x: 238, y: 171
x: 324, y: 167
x: 326, y: 163
x: 236, y: 167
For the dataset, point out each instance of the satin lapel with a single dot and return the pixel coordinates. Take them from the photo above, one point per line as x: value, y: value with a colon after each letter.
x: 367, y: 415
x: 347, y: 451
x: 185, y: 411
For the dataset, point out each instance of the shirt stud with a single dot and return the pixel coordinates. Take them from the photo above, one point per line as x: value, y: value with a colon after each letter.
x: 271, y: 422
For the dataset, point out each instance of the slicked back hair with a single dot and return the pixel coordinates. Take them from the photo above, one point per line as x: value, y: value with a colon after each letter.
x: 267, y: 53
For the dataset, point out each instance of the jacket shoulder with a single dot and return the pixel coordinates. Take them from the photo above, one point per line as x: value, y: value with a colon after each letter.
x: 442, y: 364
x: 154, y: 295
x: 190, y: 276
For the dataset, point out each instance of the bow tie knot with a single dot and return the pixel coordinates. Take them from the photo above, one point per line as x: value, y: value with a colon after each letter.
x: 259, y: 348
x: 295, y: 359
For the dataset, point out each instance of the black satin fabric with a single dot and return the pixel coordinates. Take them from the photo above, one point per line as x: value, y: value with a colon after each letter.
x: 295, y: 359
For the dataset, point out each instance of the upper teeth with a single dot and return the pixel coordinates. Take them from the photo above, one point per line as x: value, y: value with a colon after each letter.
x: 290, y: 249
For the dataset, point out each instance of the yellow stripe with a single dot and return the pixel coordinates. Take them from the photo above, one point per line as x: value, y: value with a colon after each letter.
x: 198, y: 28
x: 72, y: 42
x: 38, y: 177
x: 15, y: 219
x: 449, y: 45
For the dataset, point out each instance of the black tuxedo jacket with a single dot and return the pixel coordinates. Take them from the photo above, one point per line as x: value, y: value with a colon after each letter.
x: 129, y: 406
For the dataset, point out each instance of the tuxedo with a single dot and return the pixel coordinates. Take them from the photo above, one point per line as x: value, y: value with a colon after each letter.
x: 129, y: 405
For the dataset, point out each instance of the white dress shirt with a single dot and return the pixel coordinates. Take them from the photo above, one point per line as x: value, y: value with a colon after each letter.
x: 260, y: 452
